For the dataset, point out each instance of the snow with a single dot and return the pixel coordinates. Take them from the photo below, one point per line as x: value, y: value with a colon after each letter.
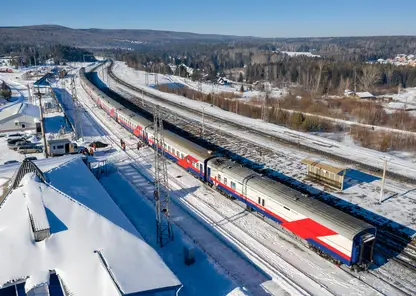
x: 362, y: 189
x: 364, y: 94
x: 300, y: 53
x: 140, y: 78
x: 81, y: 224
x: 288, y: 262
x: 36, y: 209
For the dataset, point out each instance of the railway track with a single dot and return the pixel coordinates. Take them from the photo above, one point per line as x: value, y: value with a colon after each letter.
x: 276, y: 269
x: 255, y: 156
x: 286, y: 141
x: 133, y: 155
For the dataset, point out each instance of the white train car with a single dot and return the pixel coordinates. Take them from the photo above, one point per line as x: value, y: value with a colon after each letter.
x: 343, y: 237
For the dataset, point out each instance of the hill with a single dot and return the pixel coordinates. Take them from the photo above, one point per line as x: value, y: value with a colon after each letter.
x: 102, y: 38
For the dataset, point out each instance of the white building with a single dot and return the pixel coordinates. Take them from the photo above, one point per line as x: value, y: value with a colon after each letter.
x: 66, y: 234
x: 19, y: 117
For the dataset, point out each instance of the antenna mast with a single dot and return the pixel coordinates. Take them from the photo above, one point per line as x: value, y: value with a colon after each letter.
x: 164, y: 232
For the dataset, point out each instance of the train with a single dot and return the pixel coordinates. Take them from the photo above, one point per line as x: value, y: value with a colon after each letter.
x: 344, y: 238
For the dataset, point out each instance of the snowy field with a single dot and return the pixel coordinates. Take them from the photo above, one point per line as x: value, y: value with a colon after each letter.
x: 362, y: 190
x: 286, y: 257
x: 139, y: 77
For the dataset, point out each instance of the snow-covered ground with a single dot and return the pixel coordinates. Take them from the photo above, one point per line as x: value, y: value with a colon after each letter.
x: 406, y: 99
x: 229, y: 220
x: 140, y: 78
x: 362, y: 189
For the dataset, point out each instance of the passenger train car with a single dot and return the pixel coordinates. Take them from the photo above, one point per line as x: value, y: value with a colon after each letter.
x: 335, y: 233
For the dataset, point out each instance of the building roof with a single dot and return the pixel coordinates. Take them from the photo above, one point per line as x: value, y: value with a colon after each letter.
x: 87, y: 229
x: 324, y: 165
x: 22, y: 108
x: 364, y: 94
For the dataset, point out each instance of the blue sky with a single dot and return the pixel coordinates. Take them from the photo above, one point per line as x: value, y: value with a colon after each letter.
x: 264, y: 18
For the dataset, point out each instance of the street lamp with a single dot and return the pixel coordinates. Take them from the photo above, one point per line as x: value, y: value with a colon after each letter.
x: 385, y: 159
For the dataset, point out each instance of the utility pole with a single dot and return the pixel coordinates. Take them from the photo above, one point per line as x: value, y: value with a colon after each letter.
x: 77, y: 107
x: 42, y: 124
x: 355, y: 80
x: 264, y: 110
x: 29, y: 93
x: 146, y: 78
x: 382, y: 180
x: 203, y: 122
x: 161, y: 192
x: 143, y: 98
x: 200, y: 86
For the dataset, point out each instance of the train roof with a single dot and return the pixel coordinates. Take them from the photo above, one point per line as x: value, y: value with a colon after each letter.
x: 233, y: 169
x: 187, y: 146
x: 136, y: 118
x: 345, y: 224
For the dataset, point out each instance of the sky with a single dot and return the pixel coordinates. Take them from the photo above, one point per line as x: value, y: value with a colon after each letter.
x: 262, y: 18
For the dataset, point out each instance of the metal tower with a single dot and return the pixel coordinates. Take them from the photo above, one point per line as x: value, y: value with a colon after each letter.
x: 164, y: 231
x: 77, y: 108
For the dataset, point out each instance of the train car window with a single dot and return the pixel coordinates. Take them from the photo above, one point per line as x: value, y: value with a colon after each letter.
x: 262, y: 202
x: 173, y: 150
x: 219, y: 177
x: 178, y: 154
x: 259, y: 201
x: 225, y: 181
x: 232, y: 185
x: 286, y: 208
x: 182, y: 157
x: 169, y: 149
x: 165, y: 146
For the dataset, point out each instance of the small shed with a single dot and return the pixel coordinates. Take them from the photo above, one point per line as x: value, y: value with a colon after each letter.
x: 325, y: 172
x: 365, y: 95
x: 58, y: 147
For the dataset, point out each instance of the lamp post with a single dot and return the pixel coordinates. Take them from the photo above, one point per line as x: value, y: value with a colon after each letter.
x: 385, y: 159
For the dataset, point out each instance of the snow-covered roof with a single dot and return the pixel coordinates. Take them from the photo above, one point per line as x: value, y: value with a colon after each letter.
x: 86, y: 227
x: 22, y: 108
x: 364, y: 94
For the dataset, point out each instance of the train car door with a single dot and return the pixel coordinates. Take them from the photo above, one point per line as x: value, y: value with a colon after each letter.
x: 208, y: 174
x: 367, y: 249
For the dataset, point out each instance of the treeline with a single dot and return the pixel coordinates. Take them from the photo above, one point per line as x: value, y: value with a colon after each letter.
x: 369, y: 112
x: 326, y: 75
x: 26, y: 55
x: 322, y: 76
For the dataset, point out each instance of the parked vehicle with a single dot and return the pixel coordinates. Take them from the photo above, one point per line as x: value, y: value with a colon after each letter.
x: 17, y: 144
x: 13, y: 141
x: 29, y: 148
x: 16, y: 136
x: 31, y: 158
x: 98, y: 144
x: 11, y: 161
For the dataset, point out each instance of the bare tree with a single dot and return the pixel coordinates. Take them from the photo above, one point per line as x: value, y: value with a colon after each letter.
x: 370, y: 75
x: 321, y: 64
